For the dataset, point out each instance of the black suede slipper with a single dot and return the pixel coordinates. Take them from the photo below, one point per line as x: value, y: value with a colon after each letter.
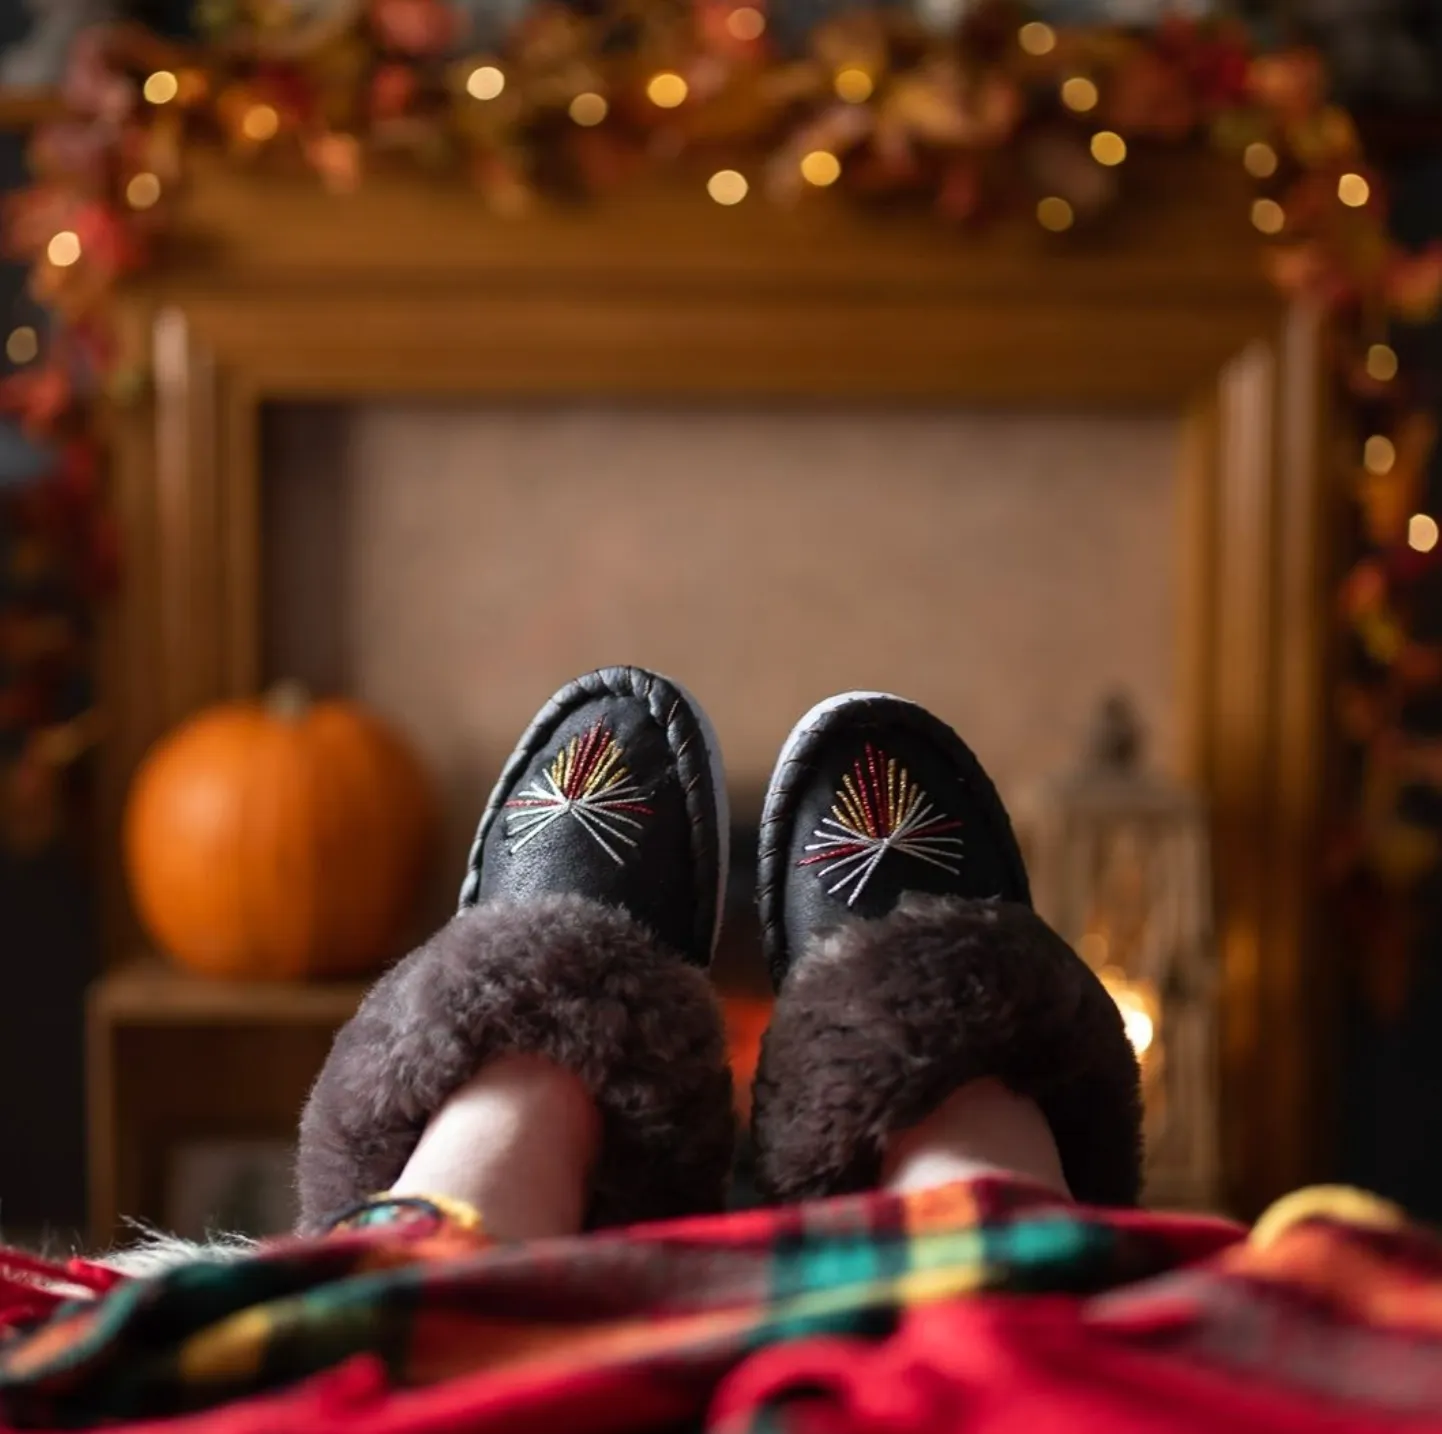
x: 589, y: 911
x: 615, y: 791
x: 898, y: 928
x: 873, y: 796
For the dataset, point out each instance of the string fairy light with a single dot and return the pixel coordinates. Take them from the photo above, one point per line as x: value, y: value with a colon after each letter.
x: 854, y: 85
x: 746, y: 22
x: 1353, y: 190
x: 261, y: 123
x: 589, y: 109
x: 1079, y: 94
x: 485, y: 82
x: 1108, y: 148
x: 667, y: 90
x: 161, y: 87
x: 1268, y: 216
x: 1422, y: 532
x: 22, y: 345
x: 727, y: 186
x: 1379, y: 454
x: 143, y: 190
x: 820, y: 168
x: 1055, y: 214
x: 64, y: 249
x: 1036, y: 38
x: 1382, y: 363
x: 1260, y: 160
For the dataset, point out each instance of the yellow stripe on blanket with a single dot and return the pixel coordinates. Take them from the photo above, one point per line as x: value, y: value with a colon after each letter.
x: 1343, y: 1203
x: 232, y: 1349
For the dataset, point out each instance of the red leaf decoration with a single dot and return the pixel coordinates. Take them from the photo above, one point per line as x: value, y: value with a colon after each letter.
x: 1413, y: 284
x: 415, y: 27
x: 393, y: 87
x: 1293, y: 83
x: 39, y: 397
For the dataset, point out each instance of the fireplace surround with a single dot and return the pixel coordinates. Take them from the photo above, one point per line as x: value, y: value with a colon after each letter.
x: 408, y: 290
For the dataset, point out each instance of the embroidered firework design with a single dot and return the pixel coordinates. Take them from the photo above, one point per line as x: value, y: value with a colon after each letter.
x: 588, y: 781
x: 879, y: 809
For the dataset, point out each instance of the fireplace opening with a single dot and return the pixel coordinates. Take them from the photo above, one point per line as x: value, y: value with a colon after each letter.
x: 451, y: 564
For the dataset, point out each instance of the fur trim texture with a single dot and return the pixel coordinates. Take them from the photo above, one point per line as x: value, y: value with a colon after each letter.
x: 154, y: 1252
x: 556, y: 976
x: 879, y: 1021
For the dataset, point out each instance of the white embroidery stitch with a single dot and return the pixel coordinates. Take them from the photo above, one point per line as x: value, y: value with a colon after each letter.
x: 879, y: 809
x: 587, y: 780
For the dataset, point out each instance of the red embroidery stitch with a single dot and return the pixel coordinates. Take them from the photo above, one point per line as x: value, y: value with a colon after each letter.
x: 879, y: 809
x: 587, y: 780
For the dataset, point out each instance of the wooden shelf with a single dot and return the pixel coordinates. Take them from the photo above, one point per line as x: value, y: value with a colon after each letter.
x: 173, y: 1057
x: 24, y: 109
x: 152, y: 992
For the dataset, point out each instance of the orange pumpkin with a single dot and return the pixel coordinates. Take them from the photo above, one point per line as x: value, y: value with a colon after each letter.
x: 279, y: 839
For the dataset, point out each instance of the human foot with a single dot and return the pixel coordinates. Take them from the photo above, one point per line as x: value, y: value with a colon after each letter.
x: 588, y: 914
x: 899, y: 932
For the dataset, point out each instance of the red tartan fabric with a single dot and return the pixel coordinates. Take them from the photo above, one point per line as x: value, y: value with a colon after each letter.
x: 1328, y: 1320
x: 997, y: 1366
x: 986, y: 1307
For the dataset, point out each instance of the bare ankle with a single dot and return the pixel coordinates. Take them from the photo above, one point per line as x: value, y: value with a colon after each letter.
x: 518, y: 1141
x: 981, y: 1128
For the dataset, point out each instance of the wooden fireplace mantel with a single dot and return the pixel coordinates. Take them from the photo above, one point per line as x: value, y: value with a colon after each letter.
x: 270, y: 289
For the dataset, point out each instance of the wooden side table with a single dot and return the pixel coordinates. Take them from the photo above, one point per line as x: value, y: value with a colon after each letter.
x: 173, y: 1058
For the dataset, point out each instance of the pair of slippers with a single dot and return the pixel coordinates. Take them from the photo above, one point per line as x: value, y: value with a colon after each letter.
x: 898, y: 931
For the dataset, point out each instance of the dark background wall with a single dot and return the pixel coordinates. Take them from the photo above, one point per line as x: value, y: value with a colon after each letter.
x: 1385, y: 59
x: 1390, y: 1082
x: 47, y: 933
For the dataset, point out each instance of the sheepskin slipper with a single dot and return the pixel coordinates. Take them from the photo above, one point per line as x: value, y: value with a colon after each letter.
x: 590, y: 909
x: 872, y: 796
x: 880, y: 1020
x: 564, y: 977
x: 897, y: 920
x: 615, y: 791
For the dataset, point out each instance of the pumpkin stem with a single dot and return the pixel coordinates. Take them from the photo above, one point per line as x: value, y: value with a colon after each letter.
x: 288, y: 701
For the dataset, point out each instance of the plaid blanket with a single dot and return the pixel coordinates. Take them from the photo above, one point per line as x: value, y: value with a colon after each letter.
x: 876, y: 1313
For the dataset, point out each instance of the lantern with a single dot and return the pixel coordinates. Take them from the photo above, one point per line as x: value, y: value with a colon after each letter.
x: 1121, y: 868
